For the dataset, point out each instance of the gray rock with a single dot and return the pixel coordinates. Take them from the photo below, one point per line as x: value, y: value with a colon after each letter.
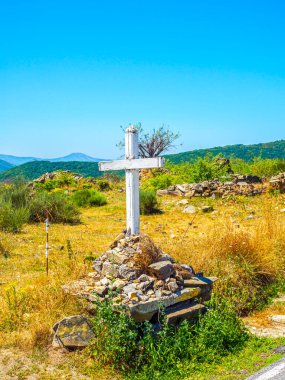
x: 109, y: 269
x: 126, y: 272
x: 161, y: 192
x: 118, y: 256
x: 183, y: 202
x: 119, y: 284
x: 190, y: 209
x: 146, y: 285
x: 145, y: 310
x: 73, y: 332
x: 97, y: 265
x: 175, y: 314
x: 162, y: 269
x: 144, y: 277
x: 129, y: 288
x: 172, y: 286
x: 101, y: 290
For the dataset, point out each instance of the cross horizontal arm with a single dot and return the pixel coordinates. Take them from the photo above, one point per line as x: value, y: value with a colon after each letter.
x: 138, y: 163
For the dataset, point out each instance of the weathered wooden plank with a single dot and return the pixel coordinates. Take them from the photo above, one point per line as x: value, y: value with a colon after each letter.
x: 132, y: 164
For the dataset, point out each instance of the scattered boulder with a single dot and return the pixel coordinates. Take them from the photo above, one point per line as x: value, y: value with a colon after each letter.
x: 190, y: 209
x: 162, y: 269
x: 248, y: 185
x: 73, y: 332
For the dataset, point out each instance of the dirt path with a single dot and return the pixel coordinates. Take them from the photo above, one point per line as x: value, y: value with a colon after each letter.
x: 17, y: 365
x: 269, y: 322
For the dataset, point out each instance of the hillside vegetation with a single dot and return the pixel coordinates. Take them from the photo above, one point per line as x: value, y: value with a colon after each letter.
x: 270, y: 150
x: 245, y: 158
x: 4, y: 165
x: 33, y: 170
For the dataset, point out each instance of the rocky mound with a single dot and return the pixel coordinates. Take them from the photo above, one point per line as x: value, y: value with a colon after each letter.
x: 54, y: 175
x: 137, y: 274
x: 239, y: 185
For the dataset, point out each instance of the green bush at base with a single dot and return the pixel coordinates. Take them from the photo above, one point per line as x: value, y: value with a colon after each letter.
x: 88, y: 198
x: 148, y: 202
x: 137, y: 350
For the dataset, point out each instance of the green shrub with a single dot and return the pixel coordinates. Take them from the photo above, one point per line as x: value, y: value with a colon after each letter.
x: 57, y: 206
x: 16, y: 194
x: 14, y: 212
x: 49, y: 184
x: 87, y: 185
x: 103, y: 184
x: 161, y: 181
x: 65, y: 179
x: 135, y: 349
x: 12, y: 219
x: 148, y: 202
x: 88, y: 198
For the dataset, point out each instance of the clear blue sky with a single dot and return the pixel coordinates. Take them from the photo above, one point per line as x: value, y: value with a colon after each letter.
x: 72, y: 72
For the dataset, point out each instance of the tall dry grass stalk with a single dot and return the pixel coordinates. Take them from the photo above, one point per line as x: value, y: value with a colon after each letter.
x: 245, y: 259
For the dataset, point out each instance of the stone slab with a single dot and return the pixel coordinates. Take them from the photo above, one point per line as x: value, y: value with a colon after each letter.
x: 74, y: 332
x: 145, y: 310
x: 175, y: 315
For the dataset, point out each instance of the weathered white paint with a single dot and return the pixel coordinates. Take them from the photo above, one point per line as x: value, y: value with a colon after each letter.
x: 139, y: 163
x: 132, y: 182
x: 131, y: 165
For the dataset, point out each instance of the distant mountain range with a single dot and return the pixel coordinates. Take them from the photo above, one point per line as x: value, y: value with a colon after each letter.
x: 4, y: 165
x: 15, y: 161
x: 12, y: 166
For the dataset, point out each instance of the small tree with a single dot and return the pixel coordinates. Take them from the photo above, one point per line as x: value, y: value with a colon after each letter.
x: 154, y: 143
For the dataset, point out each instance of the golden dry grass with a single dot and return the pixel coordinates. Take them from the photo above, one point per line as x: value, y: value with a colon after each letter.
x: 244, y: 254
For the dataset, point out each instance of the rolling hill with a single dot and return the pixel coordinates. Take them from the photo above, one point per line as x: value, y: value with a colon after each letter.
x: 4, y: 165
x: 33, y: 170
x: 15, y: 160
x: 274, y: 149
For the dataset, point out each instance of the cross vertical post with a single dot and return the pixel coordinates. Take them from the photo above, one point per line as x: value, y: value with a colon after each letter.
x: 132, y: 165
x: 132, y: 182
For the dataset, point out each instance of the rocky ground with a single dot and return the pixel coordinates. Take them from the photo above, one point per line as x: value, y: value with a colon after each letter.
x: 239, y: 185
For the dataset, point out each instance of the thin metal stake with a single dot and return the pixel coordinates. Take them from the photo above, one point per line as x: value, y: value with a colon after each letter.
x: 47, y: 246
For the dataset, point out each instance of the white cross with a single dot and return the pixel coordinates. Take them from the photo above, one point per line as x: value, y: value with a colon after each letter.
x: 131, y: 165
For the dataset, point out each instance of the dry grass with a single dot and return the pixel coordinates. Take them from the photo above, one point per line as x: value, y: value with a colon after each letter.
x: 244, y: 254
x: 148, y: 255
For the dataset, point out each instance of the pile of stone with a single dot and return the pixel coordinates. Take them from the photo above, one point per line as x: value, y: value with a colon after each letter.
x: 278, y: 182
x: 240, y: 185
x: 54, y: 175
x: 137, y: 274
x: 248, y: 185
